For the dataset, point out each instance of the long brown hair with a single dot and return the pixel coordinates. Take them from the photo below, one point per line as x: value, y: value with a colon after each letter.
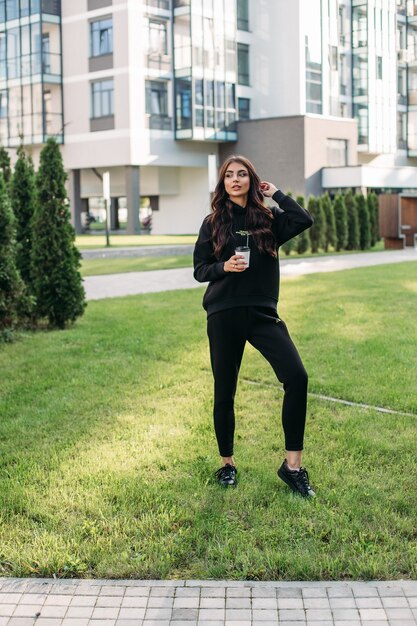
x: 258, y: 216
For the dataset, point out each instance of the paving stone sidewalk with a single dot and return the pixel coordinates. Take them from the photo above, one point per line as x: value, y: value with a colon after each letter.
x: 131, y: 283
x: 49, y: 602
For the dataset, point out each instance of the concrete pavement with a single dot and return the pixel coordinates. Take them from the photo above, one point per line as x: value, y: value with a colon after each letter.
x: 51, y: 602
x: 114, y: 285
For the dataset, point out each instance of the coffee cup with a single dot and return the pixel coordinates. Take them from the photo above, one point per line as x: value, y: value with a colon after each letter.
x: 245, y: 252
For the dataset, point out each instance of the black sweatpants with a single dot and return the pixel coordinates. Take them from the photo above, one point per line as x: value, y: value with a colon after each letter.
x: 228, y: 332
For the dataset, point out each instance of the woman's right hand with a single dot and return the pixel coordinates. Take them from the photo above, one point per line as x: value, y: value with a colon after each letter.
x: 236, y: 263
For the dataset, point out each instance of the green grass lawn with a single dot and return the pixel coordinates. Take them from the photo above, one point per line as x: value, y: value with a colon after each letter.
x: 99, y: 241
x: 108, y: 448
x: 95, y: 267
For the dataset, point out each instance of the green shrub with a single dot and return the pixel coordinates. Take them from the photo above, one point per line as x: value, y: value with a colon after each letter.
x: 352, y: 221
x: 373, y: 206
x: 330, y: 230
x: 317, y: 231
x: 55, y: 259
x: 5, y: 165
x: 341, y: 222
x: 364, y: 226
x: 290, y: 244
x: 12, y: 292
x: 302, y: 241
x: 23, y: 192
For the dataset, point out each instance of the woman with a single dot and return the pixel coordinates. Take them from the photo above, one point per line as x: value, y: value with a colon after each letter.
x: 241, y: 303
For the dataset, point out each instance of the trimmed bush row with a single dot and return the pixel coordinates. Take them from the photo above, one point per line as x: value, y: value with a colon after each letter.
x: 349, y: 222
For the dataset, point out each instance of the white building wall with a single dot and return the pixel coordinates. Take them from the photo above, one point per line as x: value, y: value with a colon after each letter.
x: 183, y: 213
x: 276, y: 58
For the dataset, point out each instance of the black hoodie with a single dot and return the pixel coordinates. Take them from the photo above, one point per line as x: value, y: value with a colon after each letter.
x: 258, y: 285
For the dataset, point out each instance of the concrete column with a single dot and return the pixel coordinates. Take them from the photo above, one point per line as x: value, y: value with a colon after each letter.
x: 114, y: 214
x: 132, y: 199
x: 74, y: 194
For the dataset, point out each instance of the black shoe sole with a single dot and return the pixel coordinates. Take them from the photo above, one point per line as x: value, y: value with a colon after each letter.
x: 227, y: 486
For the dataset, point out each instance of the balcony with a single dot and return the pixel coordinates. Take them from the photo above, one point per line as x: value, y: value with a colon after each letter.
x: 158, y: 4
x: 159, y: 122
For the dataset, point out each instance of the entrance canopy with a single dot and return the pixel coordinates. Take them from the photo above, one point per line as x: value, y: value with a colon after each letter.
x: 370, y: 177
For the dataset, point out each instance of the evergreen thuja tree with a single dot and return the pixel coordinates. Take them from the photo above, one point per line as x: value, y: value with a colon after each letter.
x: 364, y: 226
x: 373, y: 208
x: 330, y: 231
x: 290, y: 244
x: 5, y: 165
x: 11, y: 285
x: 317, y: 231
x: 340, y: 218
x: 22, y: 191
x: 302, y: 241
x: 56, y: 279
x: 352, y: 221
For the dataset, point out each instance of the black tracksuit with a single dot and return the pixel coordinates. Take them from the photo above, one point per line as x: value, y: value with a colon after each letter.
x: 243, y: 307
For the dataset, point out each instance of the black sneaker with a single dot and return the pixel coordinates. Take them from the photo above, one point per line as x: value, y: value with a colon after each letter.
x: 226, y: 476
x: 297, y: 480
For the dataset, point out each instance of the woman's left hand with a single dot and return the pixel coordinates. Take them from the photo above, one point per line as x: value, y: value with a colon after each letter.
x: 267, y: 189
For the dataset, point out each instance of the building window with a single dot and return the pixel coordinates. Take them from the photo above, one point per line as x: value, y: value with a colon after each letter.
x: 101, y: 37
x: 183, y: 103
x: 243, y: 14
x: 156, y: 98
x: 360, y: 111
x: 401, y: 7
x: 157, y: 104
x: 379, y: 67
x: 359, y: 26
x: 244, y: 108
x: 3, y: 104
x: 313, y: 56
x: 3, y: 55
x: 159, y: 4
x: 243, y: 63
x: 158, y: 41
x: 360, y: 74
x: 337, y: 152
x: 102, y: 98
x: 402, y: 130
x: 46, y: 57
x: 12, y: 9
x: 333, y: 57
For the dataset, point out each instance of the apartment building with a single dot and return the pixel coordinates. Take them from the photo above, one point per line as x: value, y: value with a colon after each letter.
x: 332, y: 94
x: 319, y: 94
x: 102, y: 76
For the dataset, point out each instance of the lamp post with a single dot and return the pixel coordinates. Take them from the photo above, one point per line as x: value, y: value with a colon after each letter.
x: 106, y: 196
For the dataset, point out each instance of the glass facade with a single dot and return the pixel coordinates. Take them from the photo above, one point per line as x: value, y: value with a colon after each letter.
x: 360, y: 69
x: 30, y: 71
x: 313, y: 56
x: 205, y: 69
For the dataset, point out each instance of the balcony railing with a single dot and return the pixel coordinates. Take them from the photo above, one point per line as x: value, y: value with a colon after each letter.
x: 159, y: 122
x: 159, y: 4
x: 52, y: 7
